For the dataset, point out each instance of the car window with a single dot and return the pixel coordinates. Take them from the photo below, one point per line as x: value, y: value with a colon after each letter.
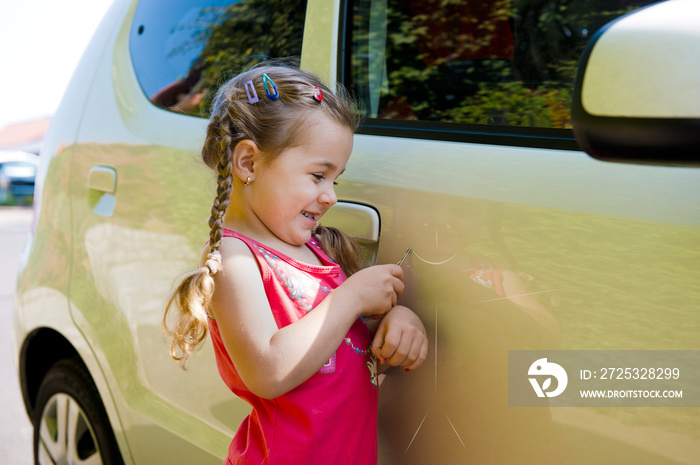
x: 503, y: 63
x: 182, y: 53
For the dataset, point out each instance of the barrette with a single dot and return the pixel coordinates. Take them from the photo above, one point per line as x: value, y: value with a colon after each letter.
x: 318, y: 93
x: 249, y: 86
x: 274, y: 95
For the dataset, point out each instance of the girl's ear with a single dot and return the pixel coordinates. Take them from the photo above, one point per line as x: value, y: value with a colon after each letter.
x: 245, y: 153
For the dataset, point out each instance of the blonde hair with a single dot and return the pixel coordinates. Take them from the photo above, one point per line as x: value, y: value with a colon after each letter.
x: 272, y: 125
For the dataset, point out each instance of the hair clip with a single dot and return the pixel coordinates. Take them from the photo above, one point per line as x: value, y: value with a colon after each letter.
x: 272, y: 96
x: 318, y: 93
x: 248, y: 87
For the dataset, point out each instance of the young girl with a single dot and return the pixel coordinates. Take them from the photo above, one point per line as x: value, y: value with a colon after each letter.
x: 288, y: 328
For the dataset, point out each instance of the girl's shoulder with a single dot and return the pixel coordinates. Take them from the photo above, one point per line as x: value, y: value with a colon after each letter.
x: 232, y: 245
x: 235, y: 245
x: 231, y: 234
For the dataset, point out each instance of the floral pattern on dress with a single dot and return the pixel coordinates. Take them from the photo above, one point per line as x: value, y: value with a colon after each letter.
x: 301, y: 288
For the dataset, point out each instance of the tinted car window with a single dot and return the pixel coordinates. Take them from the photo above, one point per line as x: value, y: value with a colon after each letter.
x: 183, y: 52
x: 497, y: 62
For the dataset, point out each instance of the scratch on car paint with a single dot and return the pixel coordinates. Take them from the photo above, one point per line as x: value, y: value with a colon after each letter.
x: 433, y: 263
x: 455, y: 430
x: 416, y: 433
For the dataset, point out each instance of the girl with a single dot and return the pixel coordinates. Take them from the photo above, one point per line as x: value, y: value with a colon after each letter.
x: 288, y: 328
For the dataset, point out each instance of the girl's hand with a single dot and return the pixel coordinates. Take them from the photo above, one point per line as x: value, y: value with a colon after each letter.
x: 376, y: 289
x: 401, y: 339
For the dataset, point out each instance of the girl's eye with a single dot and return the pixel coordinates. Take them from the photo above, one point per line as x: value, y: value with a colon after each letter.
x: 320, y: 177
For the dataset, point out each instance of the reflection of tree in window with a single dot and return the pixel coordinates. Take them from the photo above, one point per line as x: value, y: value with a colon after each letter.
x: 498, y: 62
x: 237, y: 36
x: 432, y: 46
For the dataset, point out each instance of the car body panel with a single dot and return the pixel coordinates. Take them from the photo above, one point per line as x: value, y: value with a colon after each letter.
x: 321, y: 32
x: 591, y: 256
x: 582, y: 262
x: 107, y: 257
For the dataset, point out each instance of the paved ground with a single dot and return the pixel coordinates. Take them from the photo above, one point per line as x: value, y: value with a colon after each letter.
x: 15, y: 429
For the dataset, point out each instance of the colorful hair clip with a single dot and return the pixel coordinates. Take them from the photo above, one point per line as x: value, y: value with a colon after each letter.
x: 249, y: 86
x: 318, y: 93
x: 272, y: 96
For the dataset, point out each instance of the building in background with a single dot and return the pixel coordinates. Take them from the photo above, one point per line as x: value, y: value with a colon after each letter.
x: 25, y: 136
x: 19, y: 160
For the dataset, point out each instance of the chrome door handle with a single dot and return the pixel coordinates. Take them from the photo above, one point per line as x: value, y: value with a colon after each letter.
x: 360, y: 222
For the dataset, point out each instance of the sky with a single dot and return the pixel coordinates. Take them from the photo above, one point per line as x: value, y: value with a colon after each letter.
x: 41, y: 42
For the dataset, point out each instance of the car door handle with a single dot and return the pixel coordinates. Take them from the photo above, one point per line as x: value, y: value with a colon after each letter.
x: 359, y: 221
x: 102, y: 187
x: 102, y: 178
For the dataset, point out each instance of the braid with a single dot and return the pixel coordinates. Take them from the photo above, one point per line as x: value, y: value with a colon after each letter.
x: 221, y: 201
x: 193, y: 296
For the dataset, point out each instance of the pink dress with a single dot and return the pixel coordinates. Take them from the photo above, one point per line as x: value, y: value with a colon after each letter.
x: 331, y: 418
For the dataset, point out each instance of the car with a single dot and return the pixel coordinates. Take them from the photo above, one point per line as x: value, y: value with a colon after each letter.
x: 17, y: 173
x: 539, y: 158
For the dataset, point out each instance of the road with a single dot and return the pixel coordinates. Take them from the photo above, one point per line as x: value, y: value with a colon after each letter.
x: 15, y: 428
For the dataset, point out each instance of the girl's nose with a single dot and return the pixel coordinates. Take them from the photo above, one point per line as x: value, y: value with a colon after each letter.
x: 328, y: 197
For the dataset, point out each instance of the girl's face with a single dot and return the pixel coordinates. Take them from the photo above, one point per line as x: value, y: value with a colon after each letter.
x: 292, y: 191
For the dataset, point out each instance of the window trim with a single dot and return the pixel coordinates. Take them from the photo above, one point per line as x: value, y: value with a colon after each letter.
x: 548, y: 138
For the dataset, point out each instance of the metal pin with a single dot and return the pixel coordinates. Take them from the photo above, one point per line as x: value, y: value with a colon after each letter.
x: 408, y: 251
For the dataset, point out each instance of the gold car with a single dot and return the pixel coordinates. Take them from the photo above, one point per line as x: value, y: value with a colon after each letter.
x: 524, y: 248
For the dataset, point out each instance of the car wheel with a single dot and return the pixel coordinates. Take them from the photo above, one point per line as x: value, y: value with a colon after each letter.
x: 70, y: 423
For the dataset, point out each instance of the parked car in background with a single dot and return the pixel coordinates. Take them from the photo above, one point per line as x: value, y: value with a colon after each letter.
x: 17, y: 174
x: 467, y: 154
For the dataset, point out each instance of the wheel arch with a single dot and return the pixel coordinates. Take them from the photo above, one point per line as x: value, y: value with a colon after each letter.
x: 41, y: 350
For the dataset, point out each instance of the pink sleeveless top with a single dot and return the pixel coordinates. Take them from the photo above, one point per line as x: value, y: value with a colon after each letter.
x: 331, y: 418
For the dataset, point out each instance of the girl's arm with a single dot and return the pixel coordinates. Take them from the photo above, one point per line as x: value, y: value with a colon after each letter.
x: 272, y: 361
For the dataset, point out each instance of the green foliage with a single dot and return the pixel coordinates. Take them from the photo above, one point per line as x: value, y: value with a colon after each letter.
x: 232, y: 39
x: 10, y: 200
x: 513, y: 104
x: 506, y: 62
x: 247, y: 33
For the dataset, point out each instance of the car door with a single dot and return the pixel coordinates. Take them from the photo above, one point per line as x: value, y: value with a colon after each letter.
x: 520, y: 241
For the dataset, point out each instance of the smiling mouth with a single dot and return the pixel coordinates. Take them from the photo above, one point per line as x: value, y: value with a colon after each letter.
x: 310, y: 216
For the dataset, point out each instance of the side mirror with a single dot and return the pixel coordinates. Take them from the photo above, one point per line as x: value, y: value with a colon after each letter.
x: 637, y: 92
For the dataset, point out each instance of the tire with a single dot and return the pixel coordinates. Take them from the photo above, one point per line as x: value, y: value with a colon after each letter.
x: 71, y: 426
